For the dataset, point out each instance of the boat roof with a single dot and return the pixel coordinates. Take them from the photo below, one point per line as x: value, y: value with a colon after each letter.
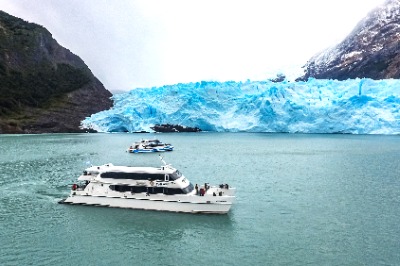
x: 147, y: 141
x: 131, y: 169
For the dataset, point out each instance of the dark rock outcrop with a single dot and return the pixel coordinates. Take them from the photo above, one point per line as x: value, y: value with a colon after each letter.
x: 372, y: 49
x: 174, y: 128
x: 44, y: 88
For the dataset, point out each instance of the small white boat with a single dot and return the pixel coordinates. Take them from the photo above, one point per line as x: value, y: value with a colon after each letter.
x: 148, y: 188
x: 150, y: 145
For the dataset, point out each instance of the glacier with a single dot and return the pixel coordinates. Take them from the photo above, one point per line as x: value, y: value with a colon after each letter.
x: 354, y: 106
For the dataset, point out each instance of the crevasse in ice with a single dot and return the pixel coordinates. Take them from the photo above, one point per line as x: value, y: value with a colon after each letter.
x: 358, y: 106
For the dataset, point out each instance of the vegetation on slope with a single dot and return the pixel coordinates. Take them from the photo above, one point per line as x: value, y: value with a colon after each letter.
x: 37, y: 77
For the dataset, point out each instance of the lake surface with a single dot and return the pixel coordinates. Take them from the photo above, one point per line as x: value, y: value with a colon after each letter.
x: 301, y: 200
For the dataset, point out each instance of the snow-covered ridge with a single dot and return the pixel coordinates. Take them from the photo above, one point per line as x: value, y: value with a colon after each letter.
x: 364, y: 33
x: 360, y: 106
x: 370, y: 50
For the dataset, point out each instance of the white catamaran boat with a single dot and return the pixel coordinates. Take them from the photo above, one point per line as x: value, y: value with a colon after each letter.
x: 148, y: 188
x: 150, y: 145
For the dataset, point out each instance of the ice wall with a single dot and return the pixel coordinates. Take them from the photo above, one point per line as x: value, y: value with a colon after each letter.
x: 361, y: 106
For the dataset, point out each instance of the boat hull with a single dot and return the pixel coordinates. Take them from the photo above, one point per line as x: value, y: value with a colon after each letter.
x: 147, y: 203
x: 150, y: 150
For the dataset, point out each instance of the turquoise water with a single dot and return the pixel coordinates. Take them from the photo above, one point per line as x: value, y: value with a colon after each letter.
x: 301, y: 200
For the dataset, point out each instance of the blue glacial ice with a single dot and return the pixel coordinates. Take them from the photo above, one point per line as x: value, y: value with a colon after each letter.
x: 358, y: 106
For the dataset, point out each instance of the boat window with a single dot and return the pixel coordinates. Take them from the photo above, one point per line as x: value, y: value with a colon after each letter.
x: 152, y: 190
x: 172, y: 191
x: 175, y: 175
x: 120, y: 188
x: 155, y: 190
x: 135, y: 176
x: 138, y: 189
x: 188, y: 189
x: 133, y: 189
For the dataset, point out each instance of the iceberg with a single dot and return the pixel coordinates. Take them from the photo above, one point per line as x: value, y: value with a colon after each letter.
x: 354, y: 106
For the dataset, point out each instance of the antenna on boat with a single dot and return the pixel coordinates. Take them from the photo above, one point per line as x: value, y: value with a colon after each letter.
x: 162, y: 159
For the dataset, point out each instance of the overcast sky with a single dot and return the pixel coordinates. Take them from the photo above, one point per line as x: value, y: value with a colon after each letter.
x: 132, y: 44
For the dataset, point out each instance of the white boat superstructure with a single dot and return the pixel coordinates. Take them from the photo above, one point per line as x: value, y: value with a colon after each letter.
x: 149, y: 188
x: 150, y: 145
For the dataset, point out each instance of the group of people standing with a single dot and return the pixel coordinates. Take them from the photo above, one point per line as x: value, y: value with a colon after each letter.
x: 202, y: 190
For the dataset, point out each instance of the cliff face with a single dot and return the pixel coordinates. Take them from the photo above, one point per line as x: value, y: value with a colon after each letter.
x: 372, y: 49
x: 44, y: 88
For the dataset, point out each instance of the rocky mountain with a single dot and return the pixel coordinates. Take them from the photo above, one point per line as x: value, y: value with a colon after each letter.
x: 371, y: 50
x: 44, y: 87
